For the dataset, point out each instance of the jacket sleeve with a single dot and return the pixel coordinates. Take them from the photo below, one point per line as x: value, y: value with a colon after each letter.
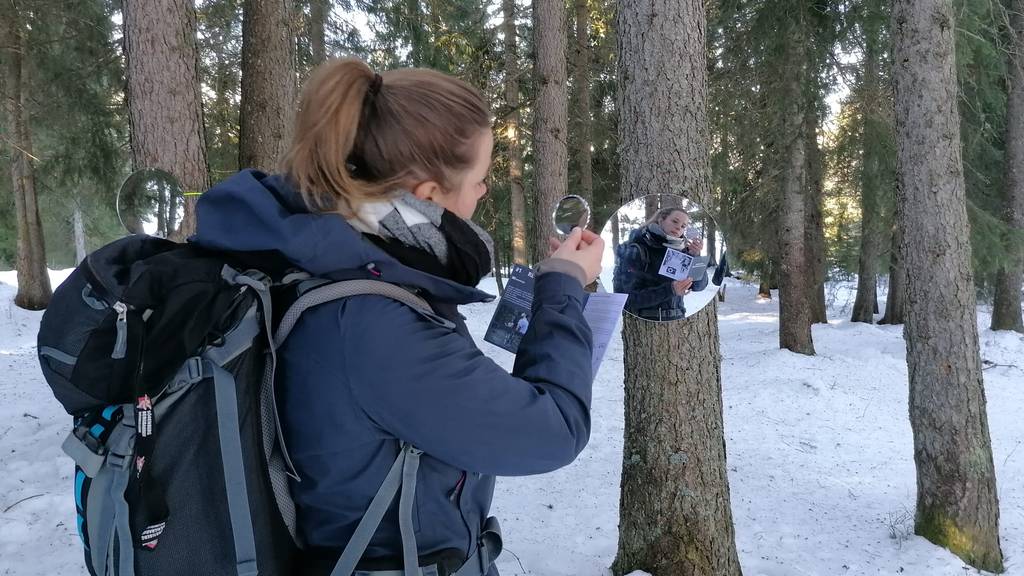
x: 626, y: 281
x: 430, y: 386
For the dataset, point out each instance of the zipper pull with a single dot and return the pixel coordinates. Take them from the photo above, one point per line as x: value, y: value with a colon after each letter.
x: 121, y: 345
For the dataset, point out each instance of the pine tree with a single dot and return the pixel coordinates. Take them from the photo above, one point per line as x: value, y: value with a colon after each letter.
x: 957, y: 505
x: 674, y: 510
x: 165, y: 108
x: 550, y: 131
x: 1006, y: 309
x: 268, y: 83
x: 34, y: 290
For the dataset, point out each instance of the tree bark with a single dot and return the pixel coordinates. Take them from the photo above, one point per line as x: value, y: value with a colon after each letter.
x: 164, y: 107
x: 268, y: 83
x: 957, y: 506
x: 520, y: 251
x: 814, y: 232
x: 34, y: 289
x: 794, y: 301
x: 551, y: 114
x: 1006, y: 309
x: 581, y: 99
x: 674, y: 514
x: 319, y: 11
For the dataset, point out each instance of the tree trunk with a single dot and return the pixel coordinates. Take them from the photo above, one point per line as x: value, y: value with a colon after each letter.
x: 616, y: 233
x: 674, y: 514
x: 712, y: 230
x: 1006, y: 310
x: 79, y: 233
x: 896, y: 300
x: 319, y: 11
x: 551, y: 115
x: 520, y: 252
x: 957, y: 505
x: 865, y: 304
x: 581, y: 99
x: 814, y: 232
x: 794, y: 301
x: 164, y: 107
x: 268, y: 83
x: 34, y: 290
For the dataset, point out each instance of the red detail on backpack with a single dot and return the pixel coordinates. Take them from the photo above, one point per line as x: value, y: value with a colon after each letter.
x: 150, y: 545
x: 144, y: 403
x: 140, y: 461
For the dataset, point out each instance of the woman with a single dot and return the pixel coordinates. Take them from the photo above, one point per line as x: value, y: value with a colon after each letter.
x: 381, y: 180
x: 651, y: 295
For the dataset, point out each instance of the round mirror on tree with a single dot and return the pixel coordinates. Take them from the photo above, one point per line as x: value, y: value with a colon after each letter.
x: 570, y: 212
x: 150, y: 201
x: 668, y: 254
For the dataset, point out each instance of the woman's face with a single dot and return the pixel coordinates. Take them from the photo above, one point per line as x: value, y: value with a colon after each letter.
x: 463, y: 200
x: 675, y: 223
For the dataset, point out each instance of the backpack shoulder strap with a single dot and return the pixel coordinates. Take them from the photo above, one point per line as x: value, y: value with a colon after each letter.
x: 345, y: 289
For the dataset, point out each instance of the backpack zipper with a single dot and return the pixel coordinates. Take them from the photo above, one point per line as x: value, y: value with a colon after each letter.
x: 100, y: 289
x: 121, y: 345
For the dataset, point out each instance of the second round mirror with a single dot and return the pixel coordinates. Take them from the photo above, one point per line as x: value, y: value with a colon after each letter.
x: 570, y: 212
x: 150, y: 201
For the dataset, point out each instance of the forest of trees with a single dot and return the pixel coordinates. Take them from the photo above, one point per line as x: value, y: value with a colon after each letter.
x: 798, y: 124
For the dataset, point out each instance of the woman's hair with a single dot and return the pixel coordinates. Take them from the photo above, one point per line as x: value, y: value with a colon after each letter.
x: 359, y: 136
x: 660, y: 215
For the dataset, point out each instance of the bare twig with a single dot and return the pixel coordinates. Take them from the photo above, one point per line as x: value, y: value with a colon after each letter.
x: 22, y: 500
x: 1011, y: 452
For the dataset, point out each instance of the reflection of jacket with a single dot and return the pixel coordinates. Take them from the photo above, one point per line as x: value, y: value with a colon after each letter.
x: 636, y: 273
x: 359, y: 375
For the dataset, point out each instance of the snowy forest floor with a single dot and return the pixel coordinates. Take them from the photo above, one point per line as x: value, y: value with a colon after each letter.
x: 820, y: 454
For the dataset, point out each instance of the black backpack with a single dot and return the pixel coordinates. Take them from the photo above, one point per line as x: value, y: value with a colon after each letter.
x: 164, y: 354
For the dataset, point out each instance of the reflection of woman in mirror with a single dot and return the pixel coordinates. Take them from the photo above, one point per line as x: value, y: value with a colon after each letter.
x: 651, y: 295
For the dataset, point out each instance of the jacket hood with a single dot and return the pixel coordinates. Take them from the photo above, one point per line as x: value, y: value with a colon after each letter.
x: 252, y: 211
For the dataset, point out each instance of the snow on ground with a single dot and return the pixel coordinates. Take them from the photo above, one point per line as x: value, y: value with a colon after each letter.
x: 820, y: 455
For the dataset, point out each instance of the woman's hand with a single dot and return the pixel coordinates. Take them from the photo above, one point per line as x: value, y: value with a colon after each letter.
x: 581, y: 247
x: 695, y: 246
x: 681, y: 287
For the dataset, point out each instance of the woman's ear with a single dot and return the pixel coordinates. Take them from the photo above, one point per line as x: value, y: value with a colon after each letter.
x: 428, y: 190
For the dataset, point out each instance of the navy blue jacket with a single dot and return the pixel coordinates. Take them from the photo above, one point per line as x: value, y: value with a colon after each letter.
x: 361, y: 375
x: 637, y: 266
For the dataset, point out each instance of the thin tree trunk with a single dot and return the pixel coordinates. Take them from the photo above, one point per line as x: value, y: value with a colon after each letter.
x: 164, y: 107
x: 712, y: 230
x: 581, y: 99
x: 268, y: 83
x: 79, y: 233
x: 674, y: 513
x: 814, y: 232
x: 161, y: 211
x: 34, y: 290
x: 616, y: 233
x: 896, y: 300
x: 794, y: 302
x: 1006, y: 310
x: 866, y: 303
x: 957, y: 506
x: 551, y: 113
x: 319, y: 11
x: 520, y: 251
